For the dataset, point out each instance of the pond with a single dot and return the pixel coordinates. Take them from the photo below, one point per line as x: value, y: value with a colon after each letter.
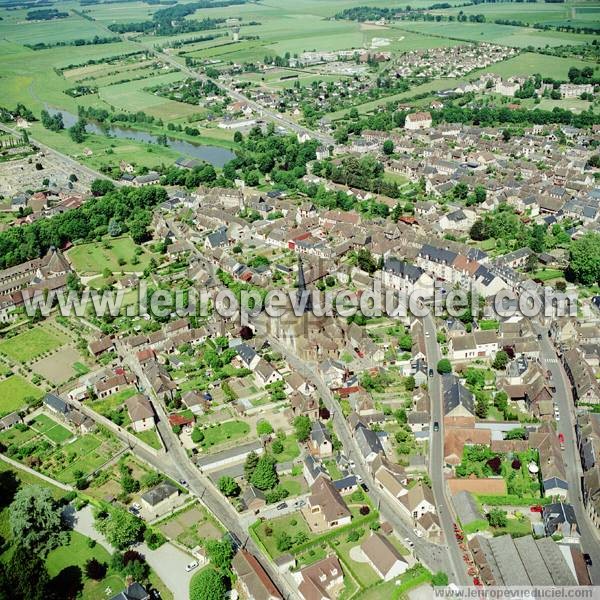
x: 215, y: 155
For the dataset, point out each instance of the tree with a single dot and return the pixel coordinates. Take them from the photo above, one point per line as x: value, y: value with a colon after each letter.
x: 208, y: 584
x: 284, y: 542
x: 444, y: 366
x: 95, y: 569
x: 520, y: 433
x: 500, y: 360
x: 263, y: 427
x: 114, y: 228
x: 497, y: 518
x: 220, y: 554
x: 197, y: 435
x: 302, y: 426
x: 35, y: 520
x: 228, y: 486
x: 250, y: 465
x: 409, y: 383
x: 478, y: 231
x: 277, y: 447
x: 584, y: 259
x: 481, y: 406
x: 506, y: 135
x: 101, y: 187
x: 26, y: 577
x: 120, y: 527
x: 388, y: 147
x: 439, y: 579
x: 77, y: 132
x: 265, y: 474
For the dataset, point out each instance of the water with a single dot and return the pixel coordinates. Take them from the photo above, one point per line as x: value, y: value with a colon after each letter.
x: 215, y: 155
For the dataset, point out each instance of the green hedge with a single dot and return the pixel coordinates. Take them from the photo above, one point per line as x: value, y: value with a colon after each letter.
x: 512, y: 500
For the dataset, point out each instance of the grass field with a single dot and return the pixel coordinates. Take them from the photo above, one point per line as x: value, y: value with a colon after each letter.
x: 150, y: 437
x: 529, y: 63
x: 51, y: 429
x: 95, y: 257
x: 224, y: 432
x: 13, y: 392
x: 32, y: 343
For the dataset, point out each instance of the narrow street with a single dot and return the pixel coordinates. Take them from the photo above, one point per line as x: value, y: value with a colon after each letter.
x: 436, y: 455
x: 563, y: 398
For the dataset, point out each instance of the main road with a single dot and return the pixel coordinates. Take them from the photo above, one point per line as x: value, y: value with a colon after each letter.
x: 431, y: 555
x: 178, y: 465
x: 436, y: 454
x: 262, y: 111
x: 563, y: 398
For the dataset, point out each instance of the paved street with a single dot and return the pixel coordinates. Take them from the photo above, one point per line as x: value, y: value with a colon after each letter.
x: 168, y: 561
x: 436, y: 455
x: 563, y: 398
x: 431, y: 555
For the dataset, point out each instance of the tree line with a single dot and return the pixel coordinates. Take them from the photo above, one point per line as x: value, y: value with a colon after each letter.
x: 129, y: 206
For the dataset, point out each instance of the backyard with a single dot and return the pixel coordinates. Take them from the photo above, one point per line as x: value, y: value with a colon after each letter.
x: 229, y: 431
x: 191, y: 526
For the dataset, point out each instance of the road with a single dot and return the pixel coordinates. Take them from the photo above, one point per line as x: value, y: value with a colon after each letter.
x: 262, y: 111
x: 71, y: 162
x: 177, y: 465
x: 563, y: 398
x: 436, y: 455
x: 431, y: 555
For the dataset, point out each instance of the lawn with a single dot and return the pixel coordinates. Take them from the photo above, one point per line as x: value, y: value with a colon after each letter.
x: 32, y: 343
x: 97, y: 256
x: 516, y: 527
x: 76, y: 554
x: 547, y: 274
x: 290, y: 524
x: 333, y: 469
x: 51, y: 429
x: 291, y: 450
x: 13, y: 392
x: 223, y: 432
x: 150, y: 437
x: 293, y: 486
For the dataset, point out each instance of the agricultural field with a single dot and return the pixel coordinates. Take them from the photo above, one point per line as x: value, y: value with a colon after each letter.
x: 506, y: 35
x: 117, y: 255
x: 32, y: 343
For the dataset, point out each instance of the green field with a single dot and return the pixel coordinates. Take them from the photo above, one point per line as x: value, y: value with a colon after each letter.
x: 518, y: 37
x: 529, y: 63
x: 13, y: 392
x: 150, y: 437
x: 95, y: 257
x: 32, y: 343
x: 51, y: 429
x: 224, y: 432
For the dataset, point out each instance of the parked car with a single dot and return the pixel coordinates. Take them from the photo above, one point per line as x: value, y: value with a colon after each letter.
x: 538, y: 508
x: 299, y: 503
x: 588, y: 559
x: 418, y: 532
x: 409, y: 543
x: 436, y: 426
x: 430, y: 372
x: 191, y: 566
x: 539, y: 336
x: 282, y: 506
x: 136, y: 506
x: 183, y: 482
x: 133, y: 511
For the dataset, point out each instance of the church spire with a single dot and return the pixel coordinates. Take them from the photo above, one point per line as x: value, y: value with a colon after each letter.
x: 302, y: 290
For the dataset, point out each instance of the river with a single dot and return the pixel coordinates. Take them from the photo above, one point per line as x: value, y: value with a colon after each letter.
x: 215, y: 155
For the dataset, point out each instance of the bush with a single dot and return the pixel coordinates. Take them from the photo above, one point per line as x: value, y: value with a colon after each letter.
x: 364, y: 510
x: 444, y: 366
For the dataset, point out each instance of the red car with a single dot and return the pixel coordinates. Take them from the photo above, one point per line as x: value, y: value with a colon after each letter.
x: 477, y: 582
x: 536, y: 508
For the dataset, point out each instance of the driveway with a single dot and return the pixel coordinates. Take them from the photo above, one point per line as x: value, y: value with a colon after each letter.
x: 168, y: 561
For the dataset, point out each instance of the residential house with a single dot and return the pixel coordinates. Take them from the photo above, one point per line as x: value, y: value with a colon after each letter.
x: 160, y: 499
x: 320, y: 440
x: 252, y: 578
x: 322, y: 580
x: 383, y: 556
x: 325, y: 507
x: 418, y: 501
x: 140, y: 412
x: 559, y: 518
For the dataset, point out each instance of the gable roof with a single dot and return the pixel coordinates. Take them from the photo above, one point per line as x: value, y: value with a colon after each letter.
x: 381, y: 552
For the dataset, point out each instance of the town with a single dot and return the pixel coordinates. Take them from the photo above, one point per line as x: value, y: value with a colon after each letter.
x: 206, y: 150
